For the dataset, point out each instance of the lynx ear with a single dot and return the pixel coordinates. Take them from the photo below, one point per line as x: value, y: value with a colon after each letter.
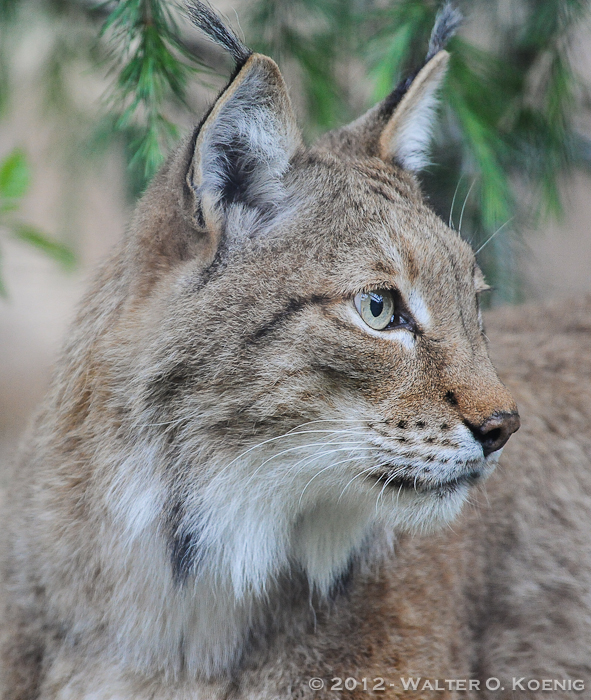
x: 407, y: 135
x: 244, y: 147
x: 399, y: 128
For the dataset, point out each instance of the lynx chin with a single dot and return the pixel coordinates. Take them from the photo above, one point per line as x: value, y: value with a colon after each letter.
x: 276, y: 392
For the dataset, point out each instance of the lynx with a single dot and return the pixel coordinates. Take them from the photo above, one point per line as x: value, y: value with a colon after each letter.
x: 274, y: 396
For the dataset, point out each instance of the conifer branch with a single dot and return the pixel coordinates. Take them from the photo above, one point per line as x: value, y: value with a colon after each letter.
x: 151, y: 67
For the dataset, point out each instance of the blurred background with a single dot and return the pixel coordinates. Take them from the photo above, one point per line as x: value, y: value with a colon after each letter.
x: 93, y: 95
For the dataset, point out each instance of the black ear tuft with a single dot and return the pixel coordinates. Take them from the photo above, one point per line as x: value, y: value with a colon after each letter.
x: 447, y: 22
x: 211, y: 25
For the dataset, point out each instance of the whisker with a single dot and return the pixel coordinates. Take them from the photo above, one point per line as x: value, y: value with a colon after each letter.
x: 396, y: 472
x: 368, y: 470
x: 453, y: 201
x: 307, y: 462
x: 266, y: 442
x: 464, y: 206
x: 484, y: 491
x: 310, y: 459
x: 301, y: 447
x: 328, y: 420
x: 330, y: 466
x: 489, y: 239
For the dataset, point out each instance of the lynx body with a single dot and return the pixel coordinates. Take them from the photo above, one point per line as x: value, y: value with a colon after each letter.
x: 278, y: 378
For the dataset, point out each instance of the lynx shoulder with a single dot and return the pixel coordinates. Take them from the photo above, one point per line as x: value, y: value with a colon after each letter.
x: 275, y: 393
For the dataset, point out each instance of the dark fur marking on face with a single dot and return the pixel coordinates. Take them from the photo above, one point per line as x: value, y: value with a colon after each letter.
x: 390, y: 189
x: 385, y: 183
x: 328, y: 370
x: 375, y: 175
x: 384, y: 268
x: 292, y: 307
x: 345, y: 326
x: 181, y: 553
x: 451, y: 399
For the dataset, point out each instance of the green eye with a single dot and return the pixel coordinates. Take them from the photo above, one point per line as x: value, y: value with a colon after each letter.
x: 376, y: 308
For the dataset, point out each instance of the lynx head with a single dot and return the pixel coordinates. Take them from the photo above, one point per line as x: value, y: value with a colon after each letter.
x: 309, y: 363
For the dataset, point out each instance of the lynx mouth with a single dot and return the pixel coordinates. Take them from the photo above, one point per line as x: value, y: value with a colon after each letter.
x: 406, y: 483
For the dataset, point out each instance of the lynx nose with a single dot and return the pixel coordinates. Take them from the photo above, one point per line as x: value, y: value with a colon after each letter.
x: 495, y: 431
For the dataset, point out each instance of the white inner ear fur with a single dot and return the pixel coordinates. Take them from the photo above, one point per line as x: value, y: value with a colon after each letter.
x: 407, y: 136
x: 251, y: 131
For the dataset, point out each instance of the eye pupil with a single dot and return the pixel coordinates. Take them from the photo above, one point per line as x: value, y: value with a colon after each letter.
x: 376, y: 308
x: 376, y: 305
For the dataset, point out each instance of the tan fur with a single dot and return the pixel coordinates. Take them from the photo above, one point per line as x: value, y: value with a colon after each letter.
x: 201, y: 508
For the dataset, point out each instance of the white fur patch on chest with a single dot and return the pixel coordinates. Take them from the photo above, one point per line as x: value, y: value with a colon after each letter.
x: 325, y: 537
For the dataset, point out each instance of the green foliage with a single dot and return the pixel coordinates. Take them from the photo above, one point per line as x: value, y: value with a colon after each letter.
x: 151, y: 67
x: 15, y: 178
x: 56, y: 250
x: 15, y: 181
x: 507, y: 134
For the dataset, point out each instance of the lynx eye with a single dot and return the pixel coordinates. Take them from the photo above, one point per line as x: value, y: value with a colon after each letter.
x: 376, y: 308
x: 384, y: 309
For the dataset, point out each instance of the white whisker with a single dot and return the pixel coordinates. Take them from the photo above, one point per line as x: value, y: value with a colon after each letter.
x: 329, y: 420
x: 300, y: 447
x: 330, y: 466
x: 368, y: 470
x: 396, y: 472
x: 453, y: 201
x: 267, y: 442
x: 489, y: 239
x: 464, y: 206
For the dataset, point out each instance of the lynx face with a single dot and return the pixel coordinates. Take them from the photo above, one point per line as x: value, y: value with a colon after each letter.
x: 319, y: 368
x: 295, y: 418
